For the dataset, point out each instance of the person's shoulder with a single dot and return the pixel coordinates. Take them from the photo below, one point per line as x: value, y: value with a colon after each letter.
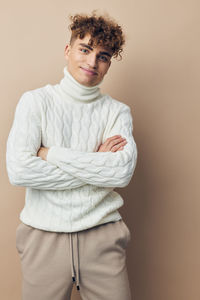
x: 39, y: 92
x: 35, y: 96
x: 116, y: 104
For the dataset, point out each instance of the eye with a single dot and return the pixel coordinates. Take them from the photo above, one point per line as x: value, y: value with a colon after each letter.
x: 104, y: 58
x: 84, y: 50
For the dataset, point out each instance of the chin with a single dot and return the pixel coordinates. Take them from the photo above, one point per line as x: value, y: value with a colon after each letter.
x: 87, y: 82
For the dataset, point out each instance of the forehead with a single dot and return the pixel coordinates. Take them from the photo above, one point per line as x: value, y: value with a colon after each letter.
x: 86, y: 39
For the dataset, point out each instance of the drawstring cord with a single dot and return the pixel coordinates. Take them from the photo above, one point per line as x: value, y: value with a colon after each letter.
x: 74, y: 272
x: 71, y: 254
x: 77, y: 261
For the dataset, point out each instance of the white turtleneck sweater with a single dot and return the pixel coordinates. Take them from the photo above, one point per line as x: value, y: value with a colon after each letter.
x: 73, y: 189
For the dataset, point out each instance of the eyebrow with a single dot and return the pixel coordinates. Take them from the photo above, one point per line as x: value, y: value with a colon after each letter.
x: 101, y: 52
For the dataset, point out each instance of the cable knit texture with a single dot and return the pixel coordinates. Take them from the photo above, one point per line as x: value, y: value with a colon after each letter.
x: 73, y: 189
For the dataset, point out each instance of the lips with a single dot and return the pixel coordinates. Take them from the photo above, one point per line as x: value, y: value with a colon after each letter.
x: 90, y: 72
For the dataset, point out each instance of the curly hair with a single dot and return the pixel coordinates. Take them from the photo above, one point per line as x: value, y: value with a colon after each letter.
x: 104, y: 31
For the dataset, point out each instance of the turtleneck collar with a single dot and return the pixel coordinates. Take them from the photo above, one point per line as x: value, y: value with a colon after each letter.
x: 72, y: 88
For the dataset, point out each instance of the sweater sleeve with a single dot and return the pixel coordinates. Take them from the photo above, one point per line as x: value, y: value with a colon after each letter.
x: 104, y: 169
x: 24, y: 167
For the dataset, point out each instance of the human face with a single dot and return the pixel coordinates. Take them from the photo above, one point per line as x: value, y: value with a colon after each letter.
x: 88, y: 65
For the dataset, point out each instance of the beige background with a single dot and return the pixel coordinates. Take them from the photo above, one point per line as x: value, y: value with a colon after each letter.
x: 159, y: 78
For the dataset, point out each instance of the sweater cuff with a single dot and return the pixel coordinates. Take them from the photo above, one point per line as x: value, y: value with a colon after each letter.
x: 51, y: 155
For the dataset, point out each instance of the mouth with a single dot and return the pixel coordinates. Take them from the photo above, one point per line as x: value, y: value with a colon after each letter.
x: 89, y: 72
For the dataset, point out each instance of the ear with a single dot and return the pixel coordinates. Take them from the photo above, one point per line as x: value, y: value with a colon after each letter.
x: 66, y: 51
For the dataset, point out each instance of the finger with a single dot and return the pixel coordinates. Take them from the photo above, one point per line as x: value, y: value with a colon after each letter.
x: 121, y: 148
x: 116, y: 142
x: 113, y: 137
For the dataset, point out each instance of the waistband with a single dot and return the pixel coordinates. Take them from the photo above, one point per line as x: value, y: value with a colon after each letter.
x: 74, y: 270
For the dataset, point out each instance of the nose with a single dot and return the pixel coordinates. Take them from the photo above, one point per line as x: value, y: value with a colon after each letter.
x: 92, y: 60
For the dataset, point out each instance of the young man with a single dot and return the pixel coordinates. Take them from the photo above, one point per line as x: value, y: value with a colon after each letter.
x: 70, y: 146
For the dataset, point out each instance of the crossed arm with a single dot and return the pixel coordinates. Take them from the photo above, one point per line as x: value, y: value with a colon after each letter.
x: 115, y: 143
x: 59, y: 168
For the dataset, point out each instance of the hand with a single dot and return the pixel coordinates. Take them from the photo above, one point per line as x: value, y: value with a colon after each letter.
x: 113, y: 143
x: 42, y: 152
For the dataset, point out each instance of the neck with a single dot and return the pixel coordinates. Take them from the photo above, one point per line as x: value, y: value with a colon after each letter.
x: 76, y: 91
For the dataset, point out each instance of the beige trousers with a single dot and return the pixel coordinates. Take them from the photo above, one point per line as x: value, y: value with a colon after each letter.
x: 94, y: 259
